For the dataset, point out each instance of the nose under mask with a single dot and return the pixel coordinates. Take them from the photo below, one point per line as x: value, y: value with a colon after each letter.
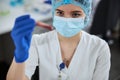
x: 68, y: 27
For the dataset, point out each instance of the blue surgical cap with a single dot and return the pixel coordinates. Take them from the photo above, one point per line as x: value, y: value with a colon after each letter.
x: 84, y: 4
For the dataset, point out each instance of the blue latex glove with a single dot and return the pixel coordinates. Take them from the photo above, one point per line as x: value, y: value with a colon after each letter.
x: 21, y: 35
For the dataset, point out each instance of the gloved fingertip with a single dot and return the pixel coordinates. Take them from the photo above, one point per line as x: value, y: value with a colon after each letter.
x: 23, y: 17
x: 33, y: 21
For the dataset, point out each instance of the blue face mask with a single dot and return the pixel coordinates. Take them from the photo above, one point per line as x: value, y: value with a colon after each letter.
x: 68, y: 27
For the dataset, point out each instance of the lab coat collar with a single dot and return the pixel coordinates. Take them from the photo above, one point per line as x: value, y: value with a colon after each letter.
x: 59, y: 60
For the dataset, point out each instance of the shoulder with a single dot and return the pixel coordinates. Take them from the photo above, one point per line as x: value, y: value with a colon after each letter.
x: 95, y: 45
x: 93, y: 40
x: 43, y: 38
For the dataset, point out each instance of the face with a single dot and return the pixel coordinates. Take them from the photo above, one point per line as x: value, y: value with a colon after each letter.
x: 69, y: 11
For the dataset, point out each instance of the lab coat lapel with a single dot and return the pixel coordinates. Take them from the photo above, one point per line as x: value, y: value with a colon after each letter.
x: 76, y: 57
x: 58, y: 55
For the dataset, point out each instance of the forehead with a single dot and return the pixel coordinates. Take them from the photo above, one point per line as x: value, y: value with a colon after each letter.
x: 70, y: 7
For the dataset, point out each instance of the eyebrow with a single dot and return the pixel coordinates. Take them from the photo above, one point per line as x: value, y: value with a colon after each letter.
x: 59, y: 10
x: 71, y: 11
x: 76, y: 11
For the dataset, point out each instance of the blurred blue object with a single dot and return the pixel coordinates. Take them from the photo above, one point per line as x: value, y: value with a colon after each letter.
x: 21, y: 2
x: 16, y: 2
x: 48, y: 1
x: 21, y: 35
x: 41, y: 12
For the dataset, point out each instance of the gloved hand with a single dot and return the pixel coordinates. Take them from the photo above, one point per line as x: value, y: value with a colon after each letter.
x: 21, y: 35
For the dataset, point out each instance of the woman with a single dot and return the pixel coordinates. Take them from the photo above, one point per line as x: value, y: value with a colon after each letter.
x: 66, y: 53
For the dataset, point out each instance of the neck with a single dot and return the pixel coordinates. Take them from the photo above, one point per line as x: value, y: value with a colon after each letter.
x: 71, y: 39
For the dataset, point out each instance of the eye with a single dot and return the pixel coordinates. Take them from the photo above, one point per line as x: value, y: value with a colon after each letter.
x: 60, y: 13
x: 76, y: 15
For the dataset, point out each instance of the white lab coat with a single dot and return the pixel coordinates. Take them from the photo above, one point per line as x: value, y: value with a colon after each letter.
x: 91, y: 60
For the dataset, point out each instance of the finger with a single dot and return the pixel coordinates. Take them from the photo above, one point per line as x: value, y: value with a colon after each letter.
x: 28, y: 38
x: 24, y: 29
x: 25, y: 22
x: 23, y: 35
x: 19, y: 35
x: 23, y: 17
